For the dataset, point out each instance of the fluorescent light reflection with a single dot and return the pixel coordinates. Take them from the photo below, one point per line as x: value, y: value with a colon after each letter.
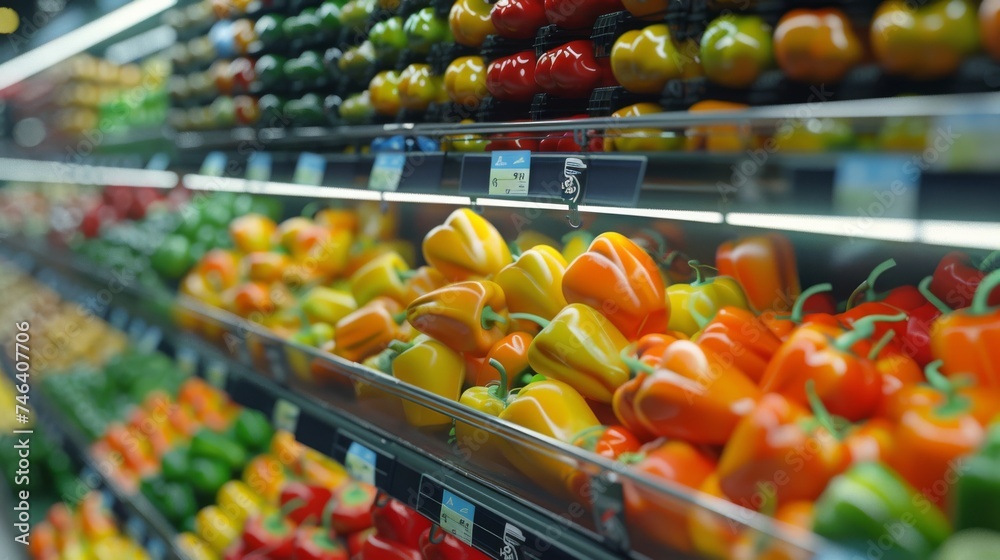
x: 230, y: 184
x: 887, y: 229
x: 79, y: 40
x: 30, y: 171
x: 974, y: 235
x: 679, y: 215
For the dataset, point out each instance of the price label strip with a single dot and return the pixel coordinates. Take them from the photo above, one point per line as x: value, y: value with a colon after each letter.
x: 360, y: 463
x: 509, y: 173
x: 214, y: 164
x: 870, y: 184
x: 285, y: 415
x: 259, y: 167
x: 458, y: 516
x: 277, y: 360
x: 387, y: 171
x: 310, y: 169
x: 187, y: 360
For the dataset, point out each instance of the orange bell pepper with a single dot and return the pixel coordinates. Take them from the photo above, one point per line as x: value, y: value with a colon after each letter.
x: 423, y: 280
x: 765, y: 266
x: 659, y: 515
x: 871, y: 441
x: 783, y: 325
x: 220, y: 268
x: 369, y: 330
x: 691, y: 395
x: 849, y: 385
x: 930, y: 437
x: 740, y: 338
x: 619, y: 279
x: 781, y: 447
x: 510, y: 351
x: 467, y: 316
x: 466, y: 246
x: 968, y: 340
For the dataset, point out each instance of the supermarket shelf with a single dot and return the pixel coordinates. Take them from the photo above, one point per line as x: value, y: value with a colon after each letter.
x: 257, y: 372
x: 56, y: 172
x: 138, y: 518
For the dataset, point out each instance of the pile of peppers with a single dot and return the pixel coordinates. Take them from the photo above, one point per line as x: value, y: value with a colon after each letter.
x: 729, y: 380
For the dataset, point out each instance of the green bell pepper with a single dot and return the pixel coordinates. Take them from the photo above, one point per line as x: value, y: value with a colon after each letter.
x: 975, y: 499
x: 871, y: 508
x: 175, y: 466
x: 207, y: 444
x: 253, y: 430
x: 206, y: 476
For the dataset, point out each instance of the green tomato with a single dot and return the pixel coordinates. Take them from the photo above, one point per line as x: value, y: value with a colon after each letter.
x: 735, y: 49
x: 389, y: 39
x: 424, y: 29
x: 173, y: 257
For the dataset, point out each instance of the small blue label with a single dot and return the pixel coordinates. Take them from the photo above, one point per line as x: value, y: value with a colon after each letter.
x: 158, y: 162
x: 457, y: 516
x: 387, y: 171
x: 876, y: 186
x: 259, y: 166
x: 509, y: 172
x: 214, y: 164
x: 310, y: 169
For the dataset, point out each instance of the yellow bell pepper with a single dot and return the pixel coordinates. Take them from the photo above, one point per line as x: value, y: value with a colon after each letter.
x: 385, y: 275
x: 326, y: 305
x: 575, y: 243
x: 490, y: 400
x: 194, y: 548
x: 551, y: 408
x: 238, y: 501
x: 466, y: 246
x: 530, y: 238
x: 470, y: 21
x: 112, y: 546
x: 581, y: 348
x: 533, y: 283
x: 216, y: 528
x: 465, y: 80
x: 643, y: 61
x: 422, y: 281
x: 693, y: 305
x: 432, y: 366
x: 467, y: 316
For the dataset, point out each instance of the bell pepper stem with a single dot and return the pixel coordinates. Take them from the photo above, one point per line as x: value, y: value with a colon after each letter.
x: 925, y: 290
x: 309, y: 210
x: 502, y: 390
x: 989, y: 260
x: 631, y: 458
x: 515, y: 250
x: 327, y: 520
x: 490, y: 318
x: 668, y: 261
x: 800, y: 303
x: 954, y: 402
x: 865, y: 289
x: 405, y: 275
x: 699, y: 277
x: 398, y: 346
x: 398, y: 318
x: 935, y: 378
x: 699, y: 318
x: 661, y: 242
x: 980, y: 299
x: 822, y: 415
x: 540, y: 321
x: 437, y: 535
x: 881, y: 344
x: 634, y: 365
x: 863, y: 328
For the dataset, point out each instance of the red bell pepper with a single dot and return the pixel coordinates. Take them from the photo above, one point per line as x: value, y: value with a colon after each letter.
x: 821, y: 313
x: 352, y: 511
x: 579, y: 14
x: 512, y: 78
x: 435, y: 544
x: 560, y: 142
x: 916, y: 341
x: 398, y: 523
x: 518, y: 19
x: 313, y: 498
x: 378, y: 548
x: 512, y: 141
x: 955, y: 279
x: 571, y: 70
x: 607, y: 441
x: 356, y: 541
x: 319, y: 542
x: 271, y: 533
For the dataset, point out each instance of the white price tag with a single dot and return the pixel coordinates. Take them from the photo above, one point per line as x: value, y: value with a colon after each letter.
x: 457, y: 516
x: 360, y: 463
x: 387, y: 171
x: 310, y: 169
x: 285, y: 416
x: 509, y: 172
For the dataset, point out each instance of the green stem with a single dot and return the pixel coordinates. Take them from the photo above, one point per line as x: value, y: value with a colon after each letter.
x: 987, y: 261
x: 863, y: 328
x: 800, y: 303
x: 515, y: 251
x: 979, y: 301
x: 398, y: 346
x: 277, y: 519
x: 490, y: 318
x: 502, y: 391
x: 935, y: 378
x: 699, y: 278
x: 668, y: 261
x: 398, y: 318
x: 591, y: 434
x: 925, y: 290
x: 882, y: 342
x: 698, y: 317
x: 309, y: 210
x: 540, y: 321
x: 631, y: 458
x: 661, y: 241
x: 954, y: 403
x: 327, y: 519
x: 634, y: 365
x: 866, y: 287
x: 405, y: 275
x: 819, y: 410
